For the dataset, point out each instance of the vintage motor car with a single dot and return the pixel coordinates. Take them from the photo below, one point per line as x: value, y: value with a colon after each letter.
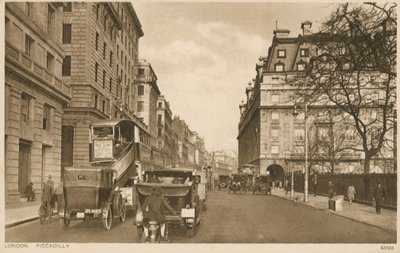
x: 91, y: 194
x: 262, y: 185
x: 179, y: 190
x: 235, y: 183
x: 223, y: 182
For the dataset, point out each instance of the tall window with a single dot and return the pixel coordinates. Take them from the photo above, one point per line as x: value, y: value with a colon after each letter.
x: 159, y: 132
x: 103, y: 106
x: 159, y: 104
x: 50, y: 61
x: 275, y: 98
x: 50, y: 18
x: 275, y: 133
x: 104, y: 79
x: 66, y: 66
x: 104, y: 50
x: 111, y: 58
x: 140, y: 90
x: 97, y: 11
x: 46, y: 117
x: 67, y: 7
x: 117, y: 51
x: 96, y: 71
x: 25, y: 108
x: 66, y: 35
x: 140, y: 106
x: 28, y: 45
x: 274, y: 149
x: 97, y: 41
x: 275, y: 115
x: 28, y: 8
x: 140, y: 72
x: 110, y: 86
x: 299, y: 134
x: 96, y: 99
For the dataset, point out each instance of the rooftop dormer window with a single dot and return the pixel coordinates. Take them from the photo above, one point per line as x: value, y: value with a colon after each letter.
x: 304, y: 52
x: 281, y: 53
x: 279, y: 67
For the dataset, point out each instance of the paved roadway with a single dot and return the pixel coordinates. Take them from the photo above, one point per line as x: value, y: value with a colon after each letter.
x: 239, y: 218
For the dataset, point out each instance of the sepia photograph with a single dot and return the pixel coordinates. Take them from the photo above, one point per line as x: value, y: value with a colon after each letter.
x: 219, y: 126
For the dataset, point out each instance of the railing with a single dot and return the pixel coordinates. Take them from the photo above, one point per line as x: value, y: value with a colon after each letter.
x: 25, y: 61
x: 364, y: 184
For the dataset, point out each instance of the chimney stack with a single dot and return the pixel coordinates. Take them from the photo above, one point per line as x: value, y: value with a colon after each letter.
x: 281, y: 33
x: 306, y: 27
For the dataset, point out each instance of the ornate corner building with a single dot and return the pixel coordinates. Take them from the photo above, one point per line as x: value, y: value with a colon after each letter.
x: 272, y: 136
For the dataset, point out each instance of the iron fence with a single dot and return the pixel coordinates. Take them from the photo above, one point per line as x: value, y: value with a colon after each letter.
x: 363, y: 183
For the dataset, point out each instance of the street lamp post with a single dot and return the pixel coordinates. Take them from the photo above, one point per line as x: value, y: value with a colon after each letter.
x: 295, y: 113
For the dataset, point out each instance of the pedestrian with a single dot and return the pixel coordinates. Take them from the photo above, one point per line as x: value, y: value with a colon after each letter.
x: 46, y: 198
x: 379, y: 197
x: 29, y: 193
x: 59, y: 192
x: 287, y: 186
x: 351, y: 192
x: 53, y: 197
x: 315, y: 184
x: 331, y: 189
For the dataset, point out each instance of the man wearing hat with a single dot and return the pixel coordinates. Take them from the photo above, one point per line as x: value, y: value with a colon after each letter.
x: 154, y: 209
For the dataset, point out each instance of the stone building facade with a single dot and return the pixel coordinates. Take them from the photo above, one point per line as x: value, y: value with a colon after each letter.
x: 101, y: 47
x: 164, y: 130
x: 35, y: 95
x: 270, y: 135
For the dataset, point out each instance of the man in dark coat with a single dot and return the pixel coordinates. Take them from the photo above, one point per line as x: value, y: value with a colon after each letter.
x: 46, y: 197
x: 154, y: 209
x: 29, y: 193
x: 379, y: 197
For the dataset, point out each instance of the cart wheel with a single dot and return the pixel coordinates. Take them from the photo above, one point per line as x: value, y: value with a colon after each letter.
x: 123, y: 213
x: 107, y: 221
x: 64, y: 223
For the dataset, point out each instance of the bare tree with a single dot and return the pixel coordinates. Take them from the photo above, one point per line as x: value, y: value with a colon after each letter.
x: 355, y: 71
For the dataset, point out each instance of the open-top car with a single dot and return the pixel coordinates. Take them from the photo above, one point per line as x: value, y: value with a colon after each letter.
x: 178, y: 188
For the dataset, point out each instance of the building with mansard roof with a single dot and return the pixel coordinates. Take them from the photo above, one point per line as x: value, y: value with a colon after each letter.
x: 273, y: 138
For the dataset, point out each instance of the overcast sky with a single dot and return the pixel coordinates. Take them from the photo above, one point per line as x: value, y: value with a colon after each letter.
x: 204, y: 54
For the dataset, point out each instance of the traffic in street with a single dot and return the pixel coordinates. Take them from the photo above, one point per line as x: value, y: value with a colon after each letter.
x: 229, y: 218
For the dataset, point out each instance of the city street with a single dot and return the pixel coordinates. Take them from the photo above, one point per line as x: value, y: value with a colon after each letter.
x: 239, y: 218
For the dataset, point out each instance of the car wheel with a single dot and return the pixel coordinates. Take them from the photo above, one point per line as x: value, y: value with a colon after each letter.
x: 123, y: 213
x: 107, y: 221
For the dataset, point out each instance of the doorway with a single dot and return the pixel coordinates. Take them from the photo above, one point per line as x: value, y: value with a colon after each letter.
x: 24, y: 168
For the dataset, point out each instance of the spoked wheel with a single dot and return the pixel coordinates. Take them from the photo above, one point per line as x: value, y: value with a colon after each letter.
x: 123, y: 214
x: 64, y: 223
x: 107, y: 221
